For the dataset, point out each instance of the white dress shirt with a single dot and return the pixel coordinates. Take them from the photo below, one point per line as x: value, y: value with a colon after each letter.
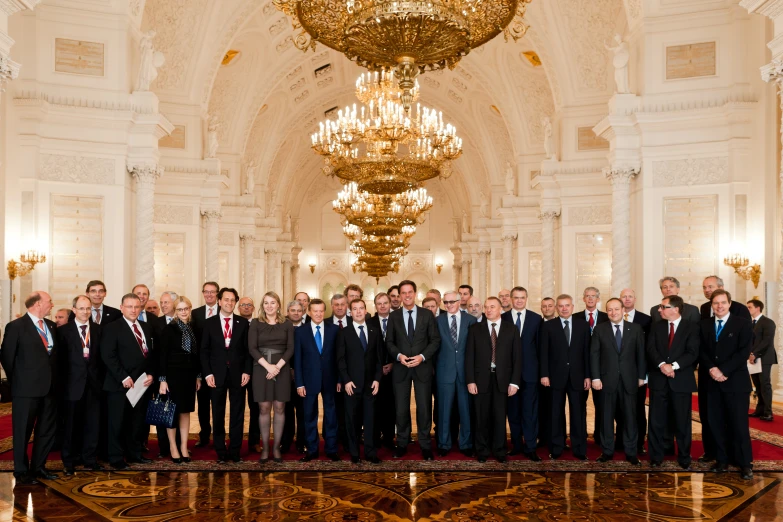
x: 95, y: 310
x: 522, y: 313
x: 497, y: 334
x: 210, y: 311
x: 46, y: 332
x: 630, y: 315
x: 344, y: 319
x: 405, y: 315
x: 143, y: 337
x: 676, y: 324
x: 358, y: 332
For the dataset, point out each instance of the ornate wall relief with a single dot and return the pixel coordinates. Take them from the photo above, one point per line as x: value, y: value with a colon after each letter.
x: 591, y: 215
x: 173, y: 215
x: 690, y: 171
x: 76, y: 169
x: 78, y: 57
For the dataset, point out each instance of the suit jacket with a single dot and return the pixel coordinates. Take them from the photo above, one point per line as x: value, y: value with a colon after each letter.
x: 354, y: 363
x: 197, y: 318
x: 684, y: 351
x: 122, y: 356
x: 385, y: 356
x: 508, y: 356
x: 690, y: 313
x: 346, y: 321
x: 31, y: 370
x: 172, y: 356
x: 108, y: 315
x: 450, y: 364
x: 601, y: 317
x: 529, y: 339
x: 729, y: 353
x: 764, y: 341
x: 735, y: 308
x: 562, y: 362
x: 643, y: 320
x: 76, y: 372
x: 618, y: 369
x: 426, y: 342
x: 216, y: 359
x: 156, y: 323
x: 316, y: 371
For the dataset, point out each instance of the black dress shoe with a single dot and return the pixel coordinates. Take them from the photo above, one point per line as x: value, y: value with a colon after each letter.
x: 604, y: 458
x: 655, y: 464
x: 120, y: 465
x: 69, y: 472
x: 95, y: 467
x: 442, y: 452
x: 427, y: 455
x: 400, y: 452
x: 355, y: 460
x: 719, y: 467
x: 552, y: 456
x: 373, y: 460
x: 334, y: 457
x: 633, y: 460
x: 746, y: 473
x: 46, y: 474
x: 642, y: 452
x: 580, y: 457
x: 501, y: 459
x: 202, y: 444
x: 26, y: 480
x: 236, y: 459
x: 532, y: 455
x: 706, y: 458
x: 514, y: 452
x: 468, y: 452
x: 755, y: 414
x: 482, y: 459
x: 767, y: 418
x: 177, y: 460
x: 684, y: 464
x: 308, y: 457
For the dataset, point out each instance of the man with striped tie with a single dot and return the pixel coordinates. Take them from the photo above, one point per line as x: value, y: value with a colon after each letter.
x: 384, y: 404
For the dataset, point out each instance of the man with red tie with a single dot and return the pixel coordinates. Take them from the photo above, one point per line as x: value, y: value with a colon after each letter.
x: 29, y: 356
x: 209, y: 291
x: 128, y: 350
x: 100, y: 313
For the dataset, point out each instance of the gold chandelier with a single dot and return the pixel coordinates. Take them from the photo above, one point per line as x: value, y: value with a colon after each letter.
x: 410, y: 36
x: 374, y: 84
x: 382, y: 214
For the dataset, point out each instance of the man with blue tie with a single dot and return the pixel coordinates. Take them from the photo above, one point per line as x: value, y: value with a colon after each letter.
x: 143, y: 293
x: 315, y: 371
x: 450, y: 371
x: 523, y: 406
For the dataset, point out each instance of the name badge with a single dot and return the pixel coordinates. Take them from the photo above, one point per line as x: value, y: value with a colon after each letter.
x: 228, y: 341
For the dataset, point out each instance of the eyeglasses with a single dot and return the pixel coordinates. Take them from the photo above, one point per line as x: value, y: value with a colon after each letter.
x: 666, y: 306
x: 450, y: 302
x: 183, y: 309
x: 246, y: 305
x: 209, y: 292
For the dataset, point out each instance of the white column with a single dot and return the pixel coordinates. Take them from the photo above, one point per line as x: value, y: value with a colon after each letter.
x: 482, y: 291
x: 294, y: 264
x: 212, y: 223
x: 248, y: 266
x: 456, y: 267
x: 286, y: 290
x: 145, y: 177
x: 465, y: 271
x: 272, y: 270
x: 620, y: 178
x: 548, y: 218
x: 508, y: 260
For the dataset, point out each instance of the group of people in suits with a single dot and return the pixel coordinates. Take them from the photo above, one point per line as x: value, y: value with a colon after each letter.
x: 484, y: 367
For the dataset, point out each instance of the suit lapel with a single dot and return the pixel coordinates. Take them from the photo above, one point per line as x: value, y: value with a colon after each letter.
x: 626, y: 335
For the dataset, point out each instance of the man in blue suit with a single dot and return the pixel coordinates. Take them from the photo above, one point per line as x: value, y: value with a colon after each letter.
x: 315, y: 371
x: 523, y: 407
x: 450, y: 371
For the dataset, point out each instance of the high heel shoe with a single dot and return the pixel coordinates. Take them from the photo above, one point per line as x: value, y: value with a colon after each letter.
x: 263, y: 460
x: 278, y: 459
x: 177, y: 460
x: 186, y: 459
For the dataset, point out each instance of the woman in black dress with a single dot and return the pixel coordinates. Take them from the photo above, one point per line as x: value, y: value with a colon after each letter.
x: 179, y: 374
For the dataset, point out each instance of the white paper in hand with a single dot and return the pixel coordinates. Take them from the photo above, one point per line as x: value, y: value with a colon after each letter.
x: 135, y: 393
x: 755, y: 367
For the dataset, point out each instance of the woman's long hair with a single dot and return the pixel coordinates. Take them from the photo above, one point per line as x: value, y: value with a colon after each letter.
x: 262, y: 313
x: 183, y: 299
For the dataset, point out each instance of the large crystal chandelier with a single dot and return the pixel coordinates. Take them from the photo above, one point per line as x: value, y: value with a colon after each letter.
x: 410, y: 36
x: 382, y: 214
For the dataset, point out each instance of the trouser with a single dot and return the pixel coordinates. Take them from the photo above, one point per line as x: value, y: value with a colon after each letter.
x: 545, y: 415
x: 491, y: 412
x: 623, y: 404
x: 402, y: 396
x: 310, y: 402
x: 763, y: 384
x: 357, y: 407
x: 28, y: 413
x: 707, y: 433
x: 294, y: 421
x: 576, y: 404
x: 204, y: 399
x: 385, y: 416
x: 730, y: 411
x: 127, y: 426
x: 445, y: 414
x: 236, y: 419
x: 523, y: 416
x: 82, y: 426
x: 254, y: 429
x: 662, y: 404
x: 598, y: 407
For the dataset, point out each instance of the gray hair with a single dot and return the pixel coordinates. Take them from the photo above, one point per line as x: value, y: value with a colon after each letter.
x: 597, y: 291
x: 668, y: 278
x: 456, y: 294
x: 294, y: 303
x: 337, y: 296
x: 717, y: 279
x: 171, y: 294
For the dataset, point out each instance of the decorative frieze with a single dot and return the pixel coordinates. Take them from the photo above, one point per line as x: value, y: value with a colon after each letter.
x: 690, y: 171
x: 591, y: 215
x: 173, y: 215
x: 76, y: 169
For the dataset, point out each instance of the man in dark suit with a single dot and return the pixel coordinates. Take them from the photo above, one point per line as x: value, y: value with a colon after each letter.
x: 157, y: 324
x: 304, y: 300
x: 29, y: 355
x: 128, y: 349
x: 450, y: 374
x: 412, y: 340
x: 523, y: 406
x: 493, y: 371
x: 385, y: 416
x: 226, y: 365
x: 709, y: 285
x: 100, y: 313
x: 726, y: 341
x: 565, y: 368
x: 764, y: 349
x: 209, y: 291
x: 294, y: 410
x: 618, y: 369
x: 315, y: 371
x: 341, y: 319
x: 671, y: 286
x: 82, y: 375
x: 358, y: 362
x: 548, y: 312
x: 672, y: 353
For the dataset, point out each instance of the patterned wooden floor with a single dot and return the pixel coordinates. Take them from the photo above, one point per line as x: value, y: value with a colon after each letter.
x: 395, y: 496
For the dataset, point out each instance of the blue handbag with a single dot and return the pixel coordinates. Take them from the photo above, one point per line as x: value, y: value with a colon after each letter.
x: 160, y: 412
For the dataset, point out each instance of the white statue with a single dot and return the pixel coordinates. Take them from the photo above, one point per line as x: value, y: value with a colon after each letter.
x: 250, y: 178
x: 484, y: 206
x: 620, y: 61
x: 212, y: 137
x: 150, y: 61
x: 464, y: 222
x: 510, y: 179
x: 287, y: 223
x: 549, y: 144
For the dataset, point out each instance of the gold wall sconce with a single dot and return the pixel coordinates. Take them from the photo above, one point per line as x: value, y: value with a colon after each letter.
x: 312, y: 268
x: 439, y: 267
x: 26, y: 264
x: 743, y: 268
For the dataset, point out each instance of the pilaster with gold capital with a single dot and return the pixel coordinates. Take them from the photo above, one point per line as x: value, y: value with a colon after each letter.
x: 548, y: 217
x: 145, y: 176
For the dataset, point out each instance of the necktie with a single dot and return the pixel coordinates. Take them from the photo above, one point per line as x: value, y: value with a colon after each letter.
x: 340, y: 323
x: 592, y: 321
x: 384, y: 326
x: 168, y: 319
x: 139, y: 339
x: 363, y: 338
x: 625, y: 316
x: 97, y: 315
x: 318, y: 342
x: 141, y: 317
x: 210, y: 313
x: 618, y: 337
x: 754, y: 322
x: 85, y: 342
x: 719, y: 329
x: 567, y: 332
x: 227, y: 331
x: 519, y: 322
x: 44, y: 337
x: 494, y: 343
x: 453, y: 331
x: 671, y: 335
x: 410, y: 326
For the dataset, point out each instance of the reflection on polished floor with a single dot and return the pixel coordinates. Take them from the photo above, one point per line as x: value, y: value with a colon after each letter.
x: 395, y: 496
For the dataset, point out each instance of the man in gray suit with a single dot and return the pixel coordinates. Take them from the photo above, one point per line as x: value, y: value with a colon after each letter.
x: 671, y: 286
x: 450, y: 371
x: 412, y: 340
x: 764, y: 349
x: 617, y: 364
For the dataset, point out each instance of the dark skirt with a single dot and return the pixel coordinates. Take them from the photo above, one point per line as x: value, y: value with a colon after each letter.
x: 182, y: 388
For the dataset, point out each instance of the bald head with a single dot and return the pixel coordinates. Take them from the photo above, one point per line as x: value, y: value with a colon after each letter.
x: 474, y: 306
x: 628, y: 298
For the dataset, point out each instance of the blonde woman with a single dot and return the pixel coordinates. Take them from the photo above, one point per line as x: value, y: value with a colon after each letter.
x: 179, y: 373
x: 271, y: 345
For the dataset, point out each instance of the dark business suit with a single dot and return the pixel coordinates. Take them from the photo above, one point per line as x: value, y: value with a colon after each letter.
x: 339, y: 397
x: 226, y: 364
x: 360, y: 365
x: 82, y: 382
x: 523, y: 406
x: 385, y: 416
x: 425, y: 342
x: 32, y: 373
x: 567, y: 366
x: 317, y: 373
x: 735, y: 308
x: 728, y: 402
x: 492, y: 383
x: 108, y: 315
x: 450, y: 380
x: 645, y: 321
x: 197, y: 318
x: 124, y: 358
x: 672, y: 394
x: 764, y: 349
x: 690, y: 313
x: 600, y: 317
x: 294, y: 415
x: 620, y: 370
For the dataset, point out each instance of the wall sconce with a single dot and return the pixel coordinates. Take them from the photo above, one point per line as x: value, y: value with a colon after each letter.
x: 27, y: 263
x: 743, y: 268
x: 312, y: 268
x: 439, y: 267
